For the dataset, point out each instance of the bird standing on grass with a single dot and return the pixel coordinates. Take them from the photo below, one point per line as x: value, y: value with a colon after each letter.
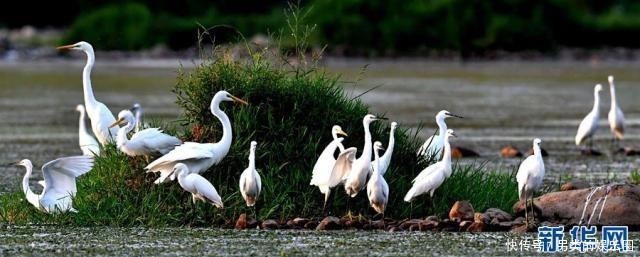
x: 589, y: 124
x: 529, y: 177
x: 198, y: 157
x: 199, y: 187
x: 147, y: 142
x: 100, y: 116
x: 323, y: 173
x: 250, y: 183
x: 385, y: 159
x: 59, y: 183
x: 88, y: 144
x: 616, y: 117
x: 356, y: 170
x: 377, y: 187
x: 434, y: 145
x: 433, y: 176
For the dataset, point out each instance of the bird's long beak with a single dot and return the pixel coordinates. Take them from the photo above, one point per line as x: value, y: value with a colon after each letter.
x: 341, y: 132
x: 65, y: 48
x: 457, y: 116
x: 238, y: 100
x: 381, y: 118
x: 9, y: 164
x: 454, y: 134
x: 117, y: 123
x: 381, y: 148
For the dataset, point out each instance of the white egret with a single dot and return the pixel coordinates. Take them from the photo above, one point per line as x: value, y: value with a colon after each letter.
x: 433, y: 176
x: 199, y: 156
x: 385, y: 159
x: 59, y: 183
x: 616, y: 117
x: 250, y: 182
x: 356, y: 170
x: 433, y: 145
x: 98, y: 113
x: 323, y: 173
x: 137, y: 111
x: 529, y: 176
x: 88, y: 144
x: 377, y: 187
x: 198, y: 186
x: 589, y: 124
x: 147, y: 142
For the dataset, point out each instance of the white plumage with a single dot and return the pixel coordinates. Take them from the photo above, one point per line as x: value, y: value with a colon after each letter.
x: 433, y: 176
x: 198, y: 157
x: 356, y: 170
x: 323, y: 173
x: 589, y: 124
x: 88, y: 144
x: 59, y: 183
x: 250, y: 182
x: 100, y: 116
x: 198, y: 186
x: 616, y: 117
x: 146, y: 142
x: 377, y: 187
x: 434, y: 145
x: 530, y: 174
x: 385, y: 159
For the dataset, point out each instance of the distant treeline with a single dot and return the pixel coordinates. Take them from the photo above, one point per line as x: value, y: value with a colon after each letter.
x: 354, y: 27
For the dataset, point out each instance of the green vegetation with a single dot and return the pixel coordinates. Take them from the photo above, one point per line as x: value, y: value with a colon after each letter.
x: 292, y: 108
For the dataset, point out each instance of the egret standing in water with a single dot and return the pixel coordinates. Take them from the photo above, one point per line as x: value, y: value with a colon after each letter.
x: 59, y: 183
x: 250, y: 182
x: 88, y: 144
x: 616, y: 118
x: 434, y: 145
x: 323, y: 173
x: 99, y: 114
x: 589, y: 124
x: 147, y: 142
x: 529, y: 177
x: 137, y: 112
x: 198, y: 157
x: 385, y: 159
x: 377, y: 187
x: 199, y: 187
x: 433, y: 176
x: 356, y: 170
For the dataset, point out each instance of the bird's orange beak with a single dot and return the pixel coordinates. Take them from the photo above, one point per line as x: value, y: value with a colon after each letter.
x: 64, y: 48
x: 117, y: 123
x: 238, y: 100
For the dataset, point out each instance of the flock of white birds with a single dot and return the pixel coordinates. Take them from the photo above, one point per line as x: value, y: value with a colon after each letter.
x: 187, y: 160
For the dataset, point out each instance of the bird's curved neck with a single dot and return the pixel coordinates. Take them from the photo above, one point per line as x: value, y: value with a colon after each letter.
x: 31, y: 196
x: 366, y: 151
x: 442, y: 128
x: 86, y: 79
x: 614, y: 103
x: 252, y: 159
x: 336, y: 139
x: 537, y: 152
x: 121, y: 138
x: 391, y: 143
x: 227, y: 135
x: 82, y: 129
x: 596, y: 102
x: 446, y: 157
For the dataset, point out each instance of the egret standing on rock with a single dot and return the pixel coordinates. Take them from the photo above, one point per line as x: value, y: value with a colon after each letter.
x: 529, y: 177
x: 147, y: 142
x: 616, y: 118
x: 88, y: 144
x: 59, y: 183
x: 199, y: 187
x: 589, y: 124
x: 250, y: 183
x: 99, y: 114
x: 356, y: 170
x: 433, y: 145
x: 385, y: 159
x: 198, y: 157
x: 433, y: 176
x: 377, y: 187
x: 323, y: 173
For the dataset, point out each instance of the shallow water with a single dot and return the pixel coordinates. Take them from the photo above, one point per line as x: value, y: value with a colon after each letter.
x: 504, y: 102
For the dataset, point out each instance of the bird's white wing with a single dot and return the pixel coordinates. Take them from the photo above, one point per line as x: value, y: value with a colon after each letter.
x: 525, y: 170
x: 188, y: 150
x: 153, y: 140
x: 324, y: 165
x: 206, y: 189
x: 342, y: 166
x: 428, y: 170
x: 60, y: 175
x: 101, y: 119
x: 425, y: 182
x: 587, y: 127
